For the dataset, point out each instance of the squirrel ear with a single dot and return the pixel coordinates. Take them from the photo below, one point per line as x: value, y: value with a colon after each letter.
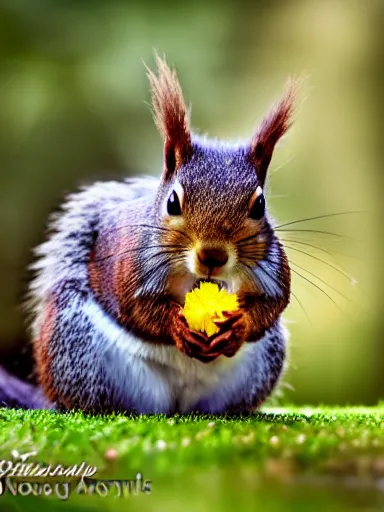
x: 170, y: 116
x: 271, y: 129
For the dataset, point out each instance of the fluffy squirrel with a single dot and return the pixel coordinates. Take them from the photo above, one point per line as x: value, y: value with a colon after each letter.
x: 108, y: 328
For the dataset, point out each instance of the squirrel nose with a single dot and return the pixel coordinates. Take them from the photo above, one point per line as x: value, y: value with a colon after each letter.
x: 214, y: 257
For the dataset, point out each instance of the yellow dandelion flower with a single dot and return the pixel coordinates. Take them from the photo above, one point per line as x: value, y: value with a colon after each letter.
x: 205, y: 304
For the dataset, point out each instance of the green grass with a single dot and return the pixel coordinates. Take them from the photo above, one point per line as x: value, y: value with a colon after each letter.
x: 281, y: 459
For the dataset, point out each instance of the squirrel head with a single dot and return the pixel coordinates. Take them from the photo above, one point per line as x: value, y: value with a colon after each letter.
x: 210, y: 202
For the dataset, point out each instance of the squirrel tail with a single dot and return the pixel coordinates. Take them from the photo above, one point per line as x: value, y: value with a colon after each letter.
x: 16, y: 393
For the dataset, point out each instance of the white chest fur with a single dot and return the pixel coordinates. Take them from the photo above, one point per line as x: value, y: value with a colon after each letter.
x: 154, y: 378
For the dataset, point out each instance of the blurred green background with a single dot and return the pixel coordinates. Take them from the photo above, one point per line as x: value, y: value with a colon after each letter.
x: 72, y: 110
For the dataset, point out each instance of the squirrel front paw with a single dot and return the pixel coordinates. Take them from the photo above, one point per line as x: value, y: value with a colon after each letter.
x: 192, y: 343
x: 234, y: 331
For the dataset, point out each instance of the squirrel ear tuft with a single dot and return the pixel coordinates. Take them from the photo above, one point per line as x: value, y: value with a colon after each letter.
x: 170, y: 115
x: 271, y: 129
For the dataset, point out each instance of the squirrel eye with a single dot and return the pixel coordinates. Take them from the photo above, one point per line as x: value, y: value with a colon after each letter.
x: 173, y: 204
x: 258, y: 207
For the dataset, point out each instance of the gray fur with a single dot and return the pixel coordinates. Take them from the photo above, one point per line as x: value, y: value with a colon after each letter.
x: 99, y: 366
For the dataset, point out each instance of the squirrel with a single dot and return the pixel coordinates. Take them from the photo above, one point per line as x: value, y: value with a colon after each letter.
x: 108, y: 329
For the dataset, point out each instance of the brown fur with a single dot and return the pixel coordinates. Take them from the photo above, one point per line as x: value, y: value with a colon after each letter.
x: 41, y: 351
x: 115, y: 272
x: 170, y: 114
x: 271, y: 129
